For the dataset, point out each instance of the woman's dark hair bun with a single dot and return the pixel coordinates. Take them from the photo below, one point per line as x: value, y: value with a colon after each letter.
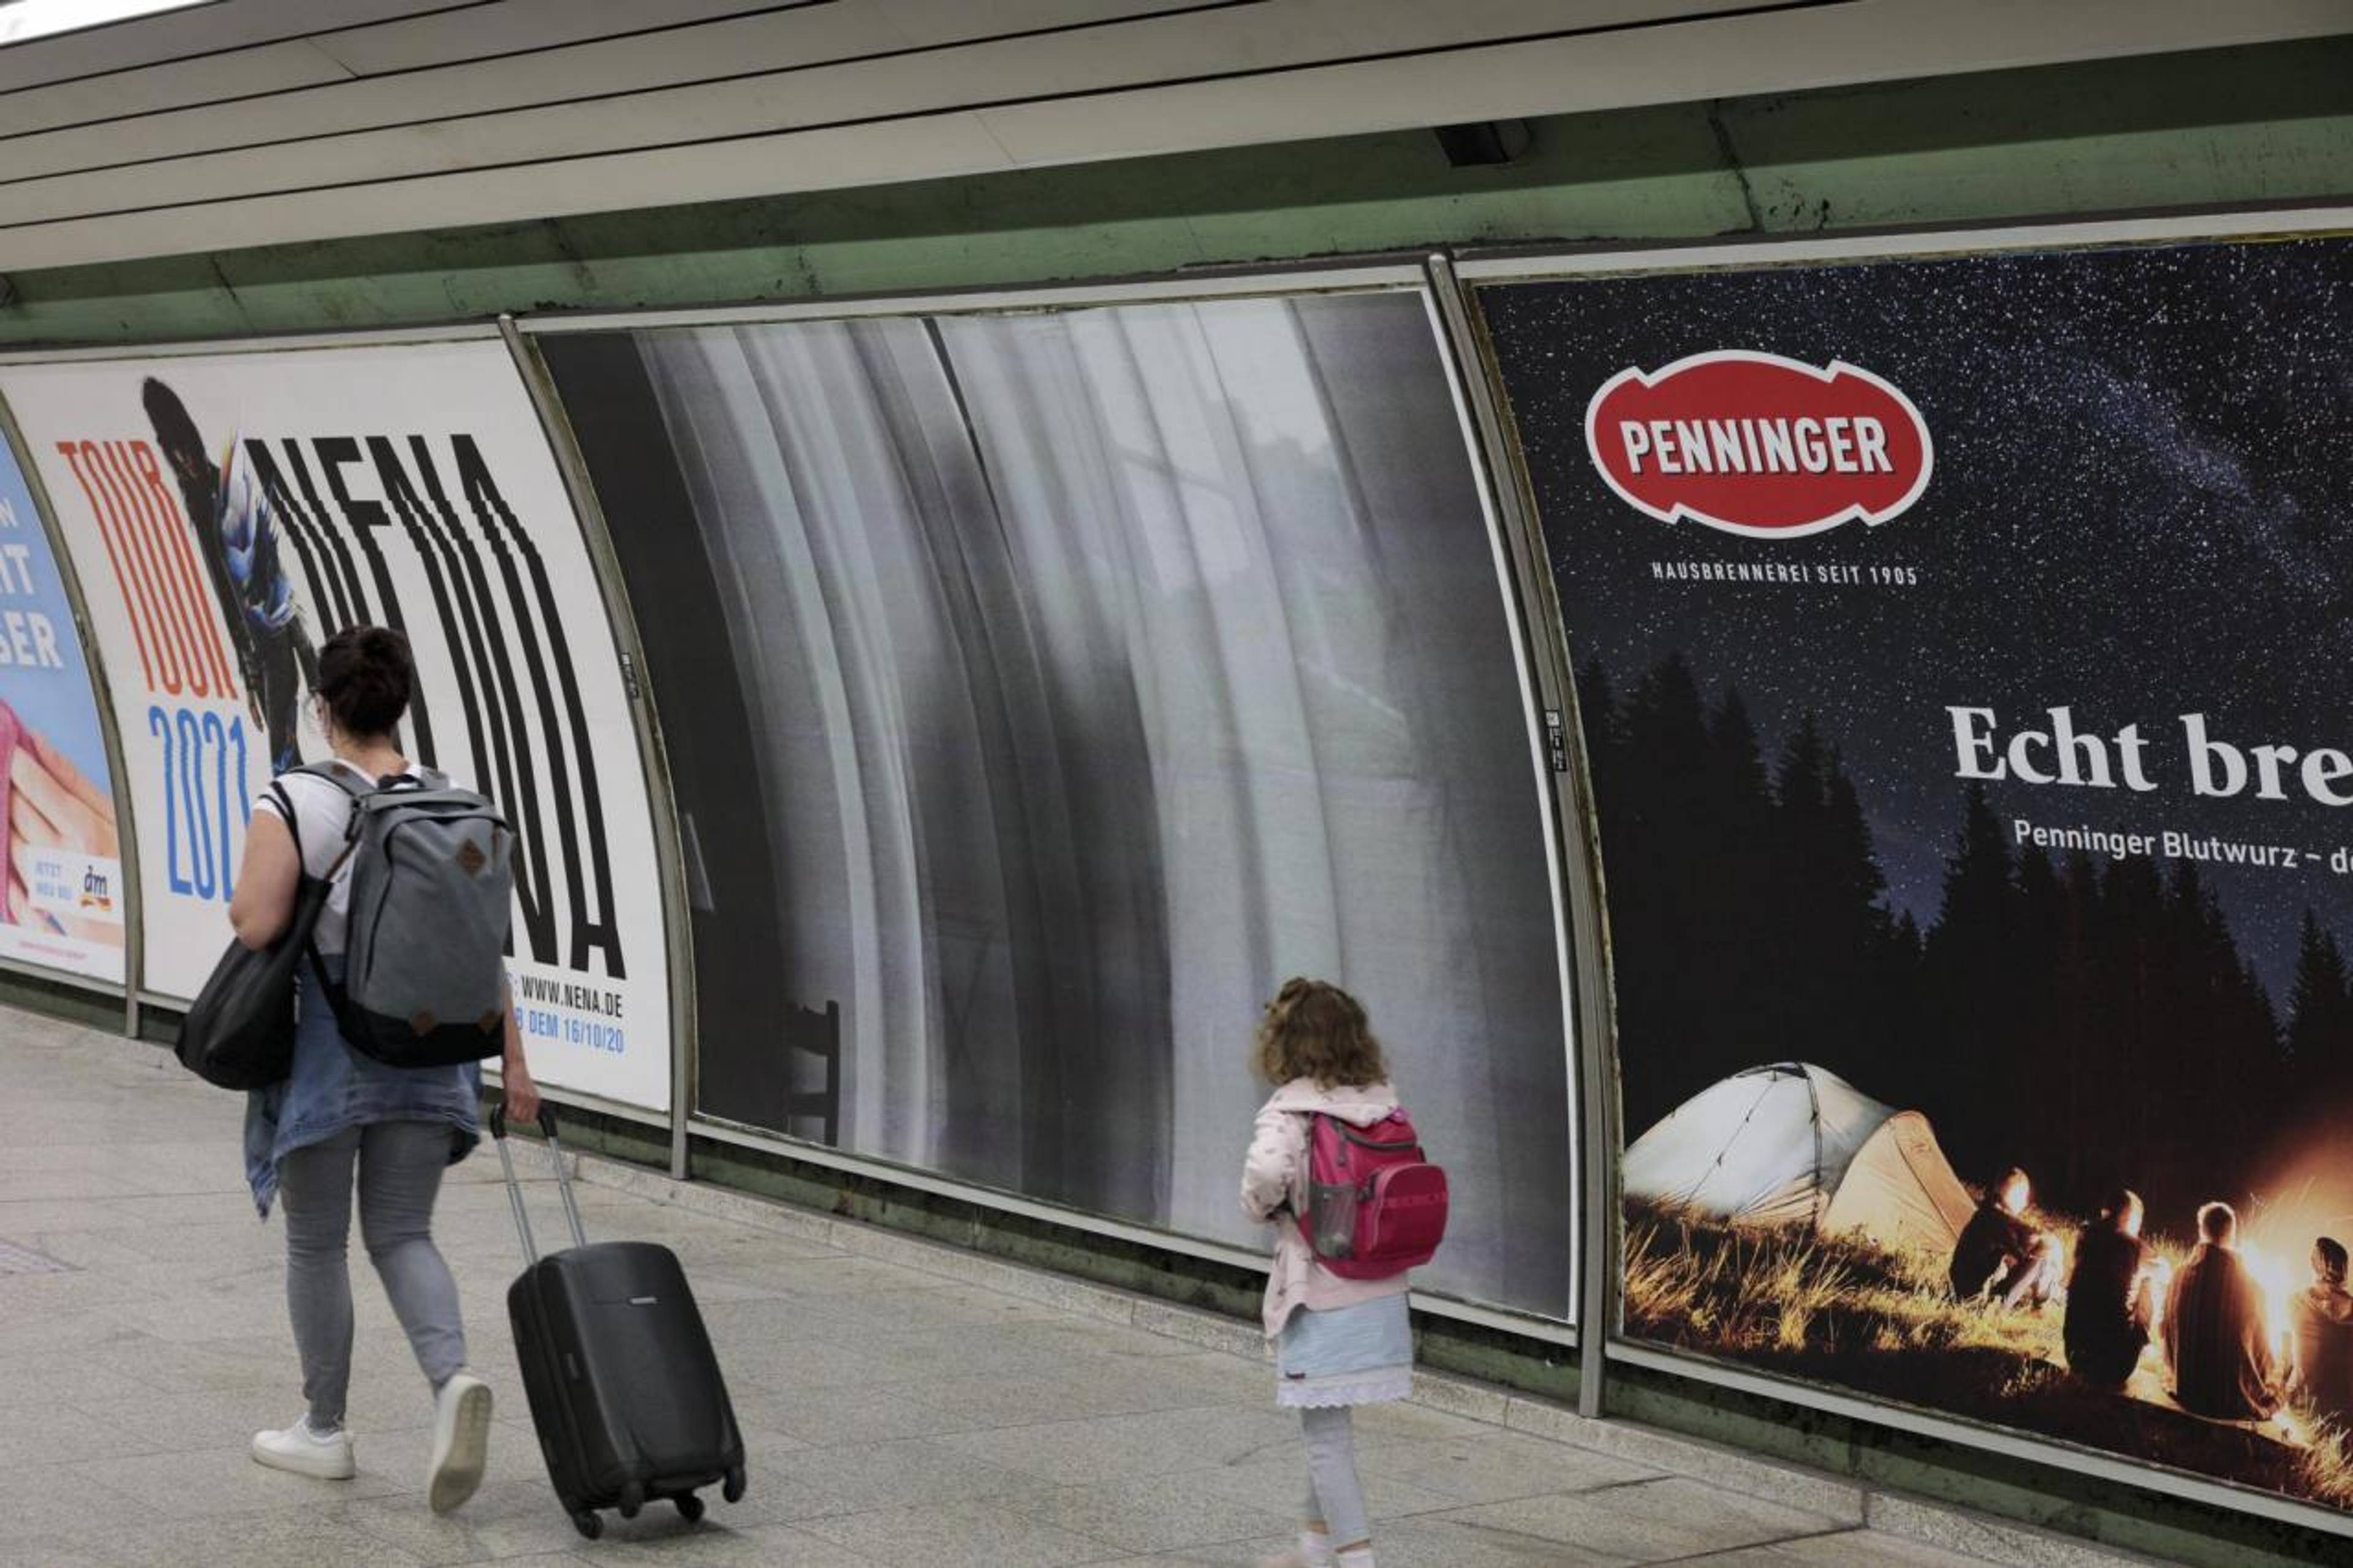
x: 366, y: 678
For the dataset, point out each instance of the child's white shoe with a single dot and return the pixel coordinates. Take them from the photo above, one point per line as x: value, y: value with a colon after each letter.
x: 297, y: 1448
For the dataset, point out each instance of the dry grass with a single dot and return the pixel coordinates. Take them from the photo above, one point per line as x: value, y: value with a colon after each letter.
x: 1845, y: 1312
x: 1738, y: 1287
x: 2327, y: 1466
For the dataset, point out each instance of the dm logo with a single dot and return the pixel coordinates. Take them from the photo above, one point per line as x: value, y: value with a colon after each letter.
x: 97, y: 892
x: 1758, y: 445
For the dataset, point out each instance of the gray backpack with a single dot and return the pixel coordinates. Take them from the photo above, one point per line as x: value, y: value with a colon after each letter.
x: 424, y: 981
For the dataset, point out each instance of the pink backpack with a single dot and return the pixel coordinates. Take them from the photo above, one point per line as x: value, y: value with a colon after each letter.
x: 1375, y: 1206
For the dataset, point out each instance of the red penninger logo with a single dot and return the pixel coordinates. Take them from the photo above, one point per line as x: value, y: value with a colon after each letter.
x: 1758, y: 445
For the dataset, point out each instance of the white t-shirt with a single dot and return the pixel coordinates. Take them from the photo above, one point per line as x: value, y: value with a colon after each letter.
x: 323, y: 814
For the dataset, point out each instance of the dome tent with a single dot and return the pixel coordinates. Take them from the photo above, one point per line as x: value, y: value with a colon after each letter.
x: 1794, y: 1144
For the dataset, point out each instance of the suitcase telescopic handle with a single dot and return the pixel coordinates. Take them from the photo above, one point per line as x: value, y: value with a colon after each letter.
x: 515, y: 1188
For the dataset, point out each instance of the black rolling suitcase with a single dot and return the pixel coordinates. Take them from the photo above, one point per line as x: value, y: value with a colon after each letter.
x: 625, y: 1389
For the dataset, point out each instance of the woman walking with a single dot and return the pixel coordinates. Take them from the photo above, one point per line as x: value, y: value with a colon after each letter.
x: 1338, y: 1341
x: 342, y: 1119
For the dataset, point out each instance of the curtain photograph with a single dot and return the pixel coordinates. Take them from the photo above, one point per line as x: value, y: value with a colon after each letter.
x: 1040, y: 691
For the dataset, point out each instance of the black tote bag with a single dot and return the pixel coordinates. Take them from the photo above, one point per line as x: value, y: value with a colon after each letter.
x: 239, y: 1032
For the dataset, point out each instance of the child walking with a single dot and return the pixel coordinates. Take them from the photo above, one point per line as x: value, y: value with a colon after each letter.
x: 1338, y: 1341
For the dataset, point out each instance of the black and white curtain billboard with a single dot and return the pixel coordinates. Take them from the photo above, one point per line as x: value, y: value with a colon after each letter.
x: 1041, y: 689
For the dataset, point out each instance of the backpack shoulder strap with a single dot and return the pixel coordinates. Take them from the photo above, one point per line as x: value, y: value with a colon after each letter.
x: 286, y: 814
x: 285, y: 799
x: 358, y: 788
x: 417, y: 780
x: 343, y: 779
x: 1315, y: 1121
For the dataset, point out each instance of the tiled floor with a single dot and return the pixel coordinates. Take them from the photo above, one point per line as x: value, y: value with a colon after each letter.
x: 897, y: 1411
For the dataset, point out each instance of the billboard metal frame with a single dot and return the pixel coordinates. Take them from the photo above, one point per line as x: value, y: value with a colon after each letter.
x: 677, y: 919
x: 1603, y: 1239
x: 136, y: 996
x: 1368, y: 276
x: 126, y: 830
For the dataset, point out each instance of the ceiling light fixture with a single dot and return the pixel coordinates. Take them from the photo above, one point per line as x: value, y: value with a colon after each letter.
x: 22, y: 21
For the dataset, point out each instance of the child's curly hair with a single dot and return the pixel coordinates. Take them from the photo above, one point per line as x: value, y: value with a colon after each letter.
x: 1313, y: 1030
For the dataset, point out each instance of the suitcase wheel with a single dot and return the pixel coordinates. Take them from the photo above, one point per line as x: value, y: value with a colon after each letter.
x: 733, y: 1488
x: 633, y: 1499
x: 690, y: 1508
x: 588, y: 1523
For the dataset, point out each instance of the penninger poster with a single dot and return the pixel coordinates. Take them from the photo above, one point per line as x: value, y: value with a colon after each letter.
x: 62, y: 904
x: 227, y: 514
x: 1961, y: 652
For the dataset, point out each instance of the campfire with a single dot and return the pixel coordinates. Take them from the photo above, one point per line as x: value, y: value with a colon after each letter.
x: 2281, y: 1273
x: 2279, y: 1280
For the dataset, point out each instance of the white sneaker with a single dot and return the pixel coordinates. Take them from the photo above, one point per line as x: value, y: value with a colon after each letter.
x: 304, y: 1452
x: 461, y: 1442
x: 1314, y: 1550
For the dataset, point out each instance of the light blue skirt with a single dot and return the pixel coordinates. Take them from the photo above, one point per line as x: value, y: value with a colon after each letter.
x: 1353, y: 1355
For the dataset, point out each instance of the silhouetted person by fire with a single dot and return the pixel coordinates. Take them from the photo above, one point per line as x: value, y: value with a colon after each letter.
x: 238, y: 540
x: 2218, y: 1338
x: 2322, y: 1317
x: 2001, y: 1255
x: 2111, y: 1295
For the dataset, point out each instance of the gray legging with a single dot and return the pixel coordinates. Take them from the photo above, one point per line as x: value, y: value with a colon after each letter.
x: 400, y: 1165
x: 1334, y: 1494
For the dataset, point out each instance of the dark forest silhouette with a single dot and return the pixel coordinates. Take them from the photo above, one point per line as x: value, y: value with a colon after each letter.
x: 2092, y: 1019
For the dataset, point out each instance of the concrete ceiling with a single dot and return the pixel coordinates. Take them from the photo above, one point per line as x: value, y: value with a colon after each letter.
x: 237, y: 122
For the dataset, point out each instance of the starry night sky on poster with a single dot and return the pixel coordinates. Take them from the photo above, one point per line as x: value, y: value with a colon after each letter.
x: 2142, y: 507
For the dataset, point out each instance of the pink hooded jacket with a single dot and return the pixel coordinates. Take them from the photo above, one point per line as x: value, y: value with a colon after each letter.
x: 1274, y: 1173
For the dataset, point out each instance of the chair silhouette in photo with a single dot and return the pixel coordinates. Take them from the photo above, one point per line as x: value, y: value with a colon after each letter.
x: 808, y: 1032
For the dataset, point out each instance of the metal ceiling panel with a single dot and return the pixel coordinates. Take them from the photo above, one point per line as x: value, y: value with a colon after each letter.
x: 461, y: 89
x: 907, y: 150
x: 514, y: 27
x: 274, y: 85
x: 198, y: 32
x: 1198, y: 41
x: 113, y: 96
x: 1780, y: 50
x: 408, y: 128
x: 776, y: 37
